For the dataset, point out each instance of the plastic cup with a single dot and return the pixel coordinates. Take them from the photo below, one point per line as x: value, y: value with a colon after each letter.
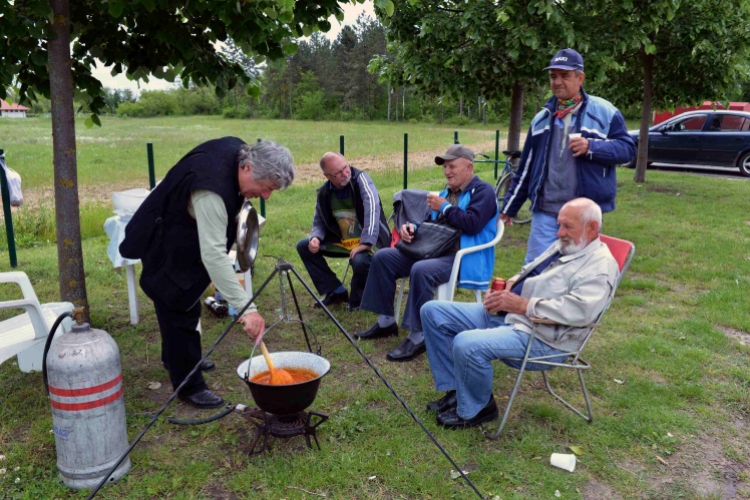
x: 435, y: 193
x: 573, y: 136
x: 563, y: 461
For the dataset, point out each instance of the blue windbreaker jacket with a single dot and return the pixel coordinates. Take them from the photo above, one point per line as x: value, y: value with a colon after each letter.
x: 609, y: 145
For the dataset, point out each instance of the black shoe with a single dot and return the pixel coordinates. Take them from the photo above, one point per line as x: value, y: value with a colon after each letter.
x: 203, y: 399
x: 333, y: 298
x: 206, y: 366
x: 446, y: 402
x: 376, y: 332
x: 352, y: 309
x: 406, y: 351
x: 450, y: 419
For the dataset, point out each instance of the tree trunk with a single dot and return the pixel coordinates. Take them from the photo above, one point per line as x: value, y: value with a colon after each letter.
x: 390, y: 100
x: 648, y: 83
x: 291, y: 110
x: 484, y: 111
x: 72, y: 278
x: 403, y: 102
x: 516, y: 115
x: 461, y: 106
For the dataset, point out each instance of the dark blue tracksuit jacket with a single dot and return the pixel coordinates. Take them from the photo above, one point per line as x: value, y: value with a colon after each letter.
x: 609, y: 145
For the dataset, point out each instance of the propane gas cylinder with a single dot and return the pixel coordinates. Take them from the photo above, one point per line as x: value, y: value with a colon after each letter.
x: 88, y: 409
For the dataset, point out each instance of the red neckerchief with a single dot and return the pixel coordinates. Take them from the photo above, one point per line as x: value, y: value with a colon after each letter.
x: 567, y: 106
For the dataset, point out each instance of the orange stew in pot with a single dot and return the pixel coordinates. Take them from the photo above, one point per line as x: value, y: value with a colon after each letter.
x: 298, y: 375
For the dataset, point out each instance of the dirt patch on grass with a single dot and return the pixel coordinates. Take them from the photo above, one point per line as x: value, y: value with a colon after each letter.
x: 218, y: 492
x: 703, y: 466
x: 739, y: 335
x: 595, y: 490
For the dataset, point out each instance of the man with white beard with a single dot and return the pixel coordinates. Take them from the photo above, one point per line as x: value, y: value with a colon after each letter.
x: 570, y: 283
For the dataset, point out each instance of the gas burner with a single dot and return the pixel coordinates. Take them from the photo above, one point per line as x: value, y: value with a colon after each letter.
x: 283, y: 426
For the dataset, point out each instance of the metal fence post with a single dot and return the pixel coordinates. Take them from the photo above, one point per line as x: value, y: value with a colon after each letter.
x: 406, y: 159
x: 455, y: 137
x: 497, y: 150
x: 341, y: 145
x: 262, y: 200
x: 151, y: 173
x: 7, y: 213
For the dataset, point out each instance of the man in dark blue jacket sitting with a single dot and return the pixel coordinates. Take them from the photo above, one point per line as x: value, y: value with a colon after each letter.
x: 348, y: 222
x: 572, y: 149
x: 468, y: 204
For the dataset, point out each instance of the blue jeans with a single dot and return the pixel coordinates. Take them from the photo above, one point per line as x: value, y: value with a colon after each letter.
x: 543, y: 233
x: 462, y: 340
x: 388, y: 265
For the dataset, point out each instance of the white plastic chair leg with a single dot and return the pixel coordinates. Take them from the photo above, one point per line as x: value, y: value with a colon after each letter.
x: 400, y: 298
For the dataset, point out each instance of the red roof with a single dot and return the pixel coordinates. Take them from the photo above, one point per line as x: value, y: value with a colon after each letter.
x: 4, y: 106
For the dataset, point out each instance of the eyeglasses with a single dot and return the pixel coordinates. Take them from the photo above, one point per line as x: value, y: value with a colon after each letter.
x: 337, y: 173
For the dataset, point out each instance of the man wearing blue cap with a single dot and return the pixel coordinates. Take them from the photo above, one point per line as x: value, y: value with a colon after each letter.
x: 572, y: 148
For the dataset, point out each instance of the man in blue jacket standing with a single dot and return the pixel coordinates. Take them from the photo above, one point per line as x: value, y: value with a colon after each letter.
x: 468, y: 204
x: 572, y: 149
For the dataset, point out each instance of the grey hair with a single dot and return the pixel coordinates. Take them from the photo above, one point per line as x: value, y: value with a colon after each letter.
x: 271, y: 162
x: 578, y: 72
x: 325, y: 157
x: 592, y: 212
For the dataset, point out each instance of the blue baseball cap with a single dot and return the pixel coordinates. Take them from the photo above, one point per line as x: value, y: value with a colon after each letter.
x: 566, y: 59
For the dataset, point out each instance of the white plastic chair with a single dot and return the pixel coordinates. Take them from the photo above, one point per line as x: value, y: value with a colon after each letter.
x: 446, y: 291
x: 24, y: 335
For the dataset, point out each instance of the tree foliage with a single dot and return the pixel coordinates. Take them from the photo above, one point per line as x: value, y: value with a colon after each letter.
x: 163, y: 38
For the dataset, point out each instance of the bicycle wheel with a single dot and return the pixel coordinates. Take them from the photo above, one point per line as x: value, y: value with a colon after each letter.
x: 501, y: 187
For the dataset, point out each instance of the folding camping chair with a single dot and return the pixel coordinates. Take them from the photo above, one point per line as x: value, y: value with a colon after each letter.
x: 623, y: 252
x: 25, y: 335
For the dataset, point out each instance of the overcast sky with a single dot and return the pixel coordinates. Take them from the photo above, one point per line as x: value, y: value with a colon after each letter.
x: 351, y: 12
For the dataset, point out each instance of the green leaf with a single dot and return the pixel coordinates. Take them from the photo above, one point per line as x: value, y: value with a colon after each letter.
x: 578, y: 450
x: 286, y: 5
x: 115, y: 8
x: 95, y: 120
x: 89, y: 122
x: 290, y: 49
x: 307, y: 30
x: 149, y: 4
x: 271, y: 12
x: 390, y: 9
x: 286, y: 17
x: 413, y: 2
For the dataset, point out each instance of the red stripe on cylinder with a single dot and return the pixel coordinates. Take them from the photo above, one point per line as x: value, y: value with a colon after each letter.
x: 86, y: 391
x: 89, y: 405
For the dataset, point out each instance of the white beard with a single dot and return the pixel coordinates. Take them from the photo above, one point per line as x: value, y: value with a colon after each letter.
x: 568, y: 246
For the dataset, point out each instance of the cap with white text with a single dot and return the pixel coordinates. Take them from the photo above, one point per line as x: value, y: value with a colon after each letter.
x: 567, y: 59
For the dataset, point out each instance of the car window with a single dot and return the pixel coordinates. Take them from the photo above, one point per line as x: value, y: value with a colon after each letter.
x: 692, y: 124
x: 733, y: 123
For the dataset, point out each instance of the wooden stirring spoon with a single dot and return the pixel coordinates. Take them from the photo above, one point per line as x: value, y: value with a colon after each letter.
x: 278, y: 377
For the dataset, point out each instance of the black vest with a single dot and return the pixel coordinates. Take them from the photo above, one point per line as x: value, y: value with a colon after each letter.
x: 332, y: 227
x: 164, y: 235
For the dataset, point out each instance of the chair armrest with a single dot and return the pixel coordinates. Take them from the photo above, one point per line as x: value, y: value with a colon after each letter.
x: 544, y: 321
x: 465, y: 251
x: 22, y: 281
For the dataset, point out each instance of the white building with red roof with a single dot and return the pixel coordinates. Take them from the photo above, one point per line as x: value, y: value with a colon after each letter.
x: 12, y: 110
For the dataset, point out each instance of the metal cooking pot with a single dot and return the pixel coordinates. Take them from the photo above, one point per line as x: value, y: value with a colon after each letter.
x: 248, y: 234
x: 284, y: 399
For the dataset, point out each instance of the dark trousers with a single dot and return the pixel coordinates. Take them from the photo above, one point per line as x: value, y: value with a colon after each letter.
x: 325, y: 280
x: 387, y: 267
x: 181, y: 344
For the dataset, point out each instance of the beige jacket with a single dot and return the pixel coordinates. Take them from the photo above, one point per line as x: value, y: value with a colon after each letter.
x: 572, y: 291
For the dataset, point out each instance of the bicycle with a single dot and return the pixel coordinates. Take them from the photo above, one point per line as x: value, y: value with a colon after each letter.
x: 503, y: 184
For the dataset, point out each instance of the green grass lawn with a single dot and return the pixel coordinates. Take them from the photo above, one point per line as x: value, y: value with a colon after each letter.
x: 116, y: 152
x: 676, y: 337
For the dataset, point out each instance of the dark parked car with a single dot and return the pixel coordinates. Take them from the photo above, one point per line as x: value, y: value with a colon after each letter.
x: 705, y: 137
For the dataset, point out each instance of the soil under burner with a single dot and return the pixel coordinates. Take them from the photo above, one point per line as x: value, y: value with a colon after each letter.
x: 283, y: 426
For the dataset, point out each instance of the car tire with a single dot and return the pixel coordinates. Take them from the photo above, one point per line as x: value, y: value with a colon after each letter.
x: 744, y: 164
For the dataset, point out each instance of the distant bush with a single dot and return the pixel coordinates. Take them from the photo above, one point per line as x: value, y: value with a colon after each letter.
x: 196, y: 101
x: 237, y: 113
x: 459, y: 120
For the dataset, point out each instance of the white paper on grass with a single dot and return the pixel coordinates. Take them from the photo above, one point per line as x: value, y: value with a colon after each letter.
x: 14, y: 184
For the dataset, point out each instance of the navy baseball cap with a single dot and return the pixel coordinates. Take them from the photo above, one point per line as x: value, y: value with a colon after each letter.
x: 566, y: 59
